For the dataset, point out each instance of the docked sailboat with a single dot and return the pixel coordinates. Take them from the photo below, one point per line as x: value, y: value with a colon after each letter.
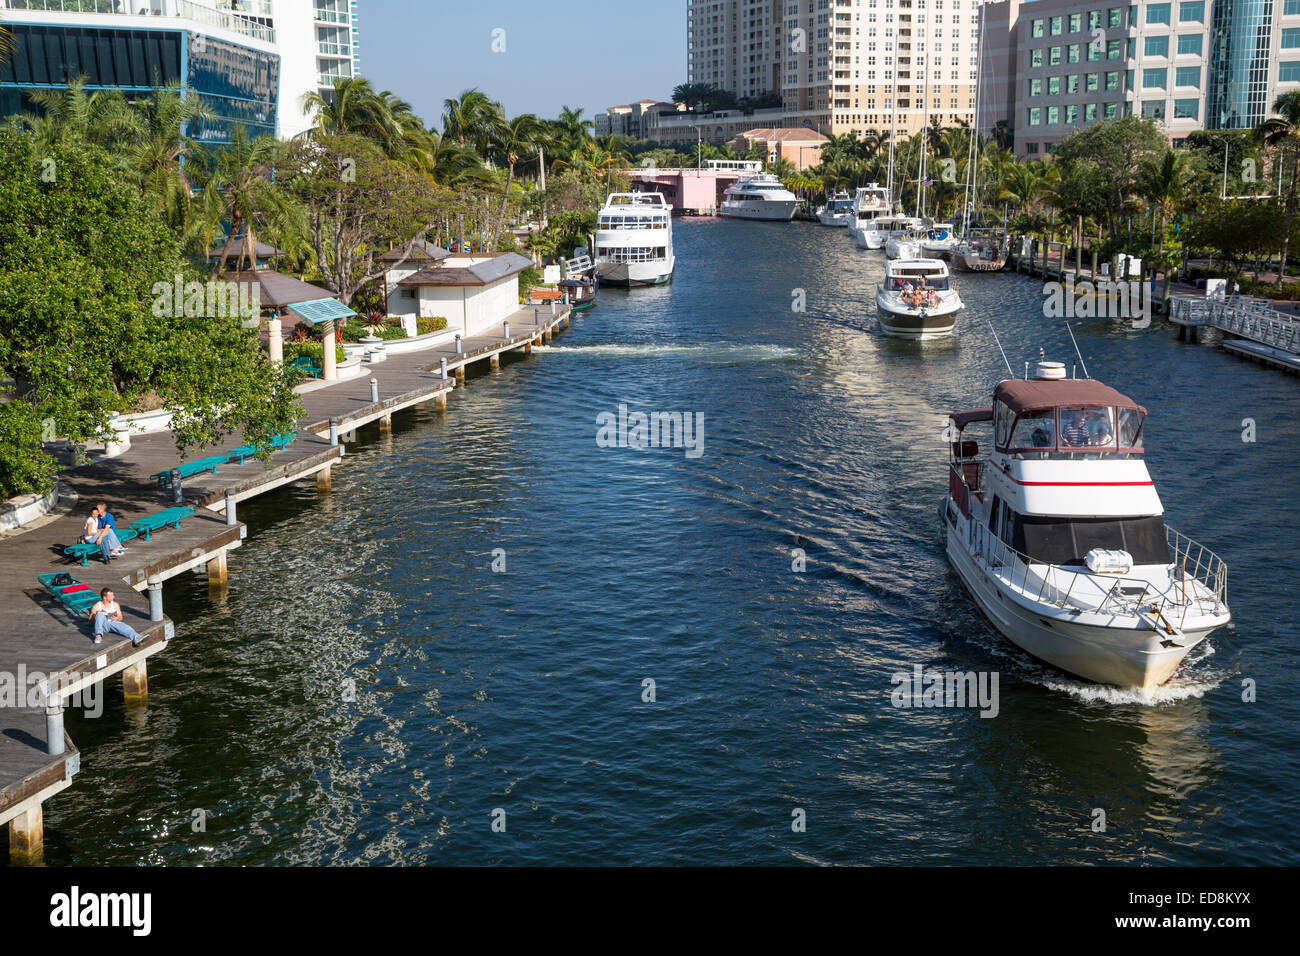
x: 759, y: 197
x: 837, y: 210
x: 1059, y: 536
x: 634, y: 240
x: 982, y: 252
x: 917, y: 300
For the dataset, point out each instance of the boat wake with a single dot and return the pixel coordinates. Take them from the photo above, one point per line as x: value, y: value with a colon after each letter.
x: 1195, y: 677
x: 753, y: 353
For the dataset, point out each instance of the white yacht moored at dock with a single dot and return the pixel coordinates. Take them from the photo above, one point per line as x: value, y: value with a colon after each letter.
x: 837, y: 211
x: 761, y: 196
x: 634, y: 240
x: 939, y: 240
x: 917, y: 300
x: 1059, y: 536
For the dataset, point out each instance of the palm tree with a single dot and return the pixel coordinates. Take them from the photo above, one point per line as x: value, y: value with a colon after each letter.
x: 160, y: 154
x: 237, y: 180
x: 473, y: 119
x: 354, y: 107
x: 575, y: 130
x: 1283, y: 133
x: 74, y: 115
x: 520, y: 137
x: 1165, y: 183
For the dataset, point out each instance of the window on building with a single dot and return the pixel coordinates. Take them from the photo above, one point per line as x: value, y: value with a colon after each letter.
x: 1290, y: 8
x: 1111, y: 111
x: 1053, y: 115
x: 1187, y: 109
x: 1093, y: 82
x: 1291, y: 38
x: 1054, y: 86
x: 1036, y: 29
x: 1154, y: 108
x: 1054, y: 55
x: 1094, y: 51
x: 1113, y: 49
x: 1094, y: 19
x: 1187, y: 76
x: 1115, y: 17
x: 1289, y: 72
x: 1072, y: 83
x: 1057, y: 25
x: 1031, y: 149
x: 1112, y: 80
x: 1154, y: 79
x: 1036, y: 87
x: 1036, y: 57
x: 1157, y: 13
x: 1076, y: 22
x: 1072, y: 53
x: 1156, y: 46
x: 1071, y: 113
x: 1035, y: 117
x: 1191, y: 11
x: 1089, y: 112
x: 1189, y: 44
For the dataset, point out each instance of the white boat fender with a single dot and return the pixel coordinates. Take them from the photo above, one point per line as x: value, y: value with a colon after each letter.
x: 1109, y: 561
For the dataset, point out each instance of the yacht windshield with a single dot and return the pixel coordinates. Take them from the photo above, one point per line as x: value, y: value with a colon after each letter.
x: 1068, y: 540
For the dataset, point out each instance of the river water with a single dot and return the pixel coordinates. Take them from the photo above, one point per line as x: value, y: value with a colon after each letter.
x: 371, y: 691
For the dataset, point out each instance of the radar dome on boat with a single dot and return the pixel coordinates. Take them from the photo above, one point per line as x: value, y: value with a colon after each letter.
x: 1049, y: 371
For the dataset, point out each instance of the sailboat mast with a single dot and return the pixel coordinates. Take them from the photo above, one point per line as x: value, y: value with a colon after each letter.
x: 893, y: 120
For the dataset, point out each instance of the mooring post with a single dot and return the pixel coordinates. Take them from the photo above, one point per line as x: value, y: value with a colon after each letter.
x: 135, y: 681
x: 27, y: 837
x: 217, y: 571
x: 334, y: 431
x: 374, y: 391
x: 230, y: 509
x: 54, y: 727
x: 460, y: 350
x: 552, y: 307
x: 537, y: 317
x: 505, y: 329
x: 176, y: 486
x: 155, y: 598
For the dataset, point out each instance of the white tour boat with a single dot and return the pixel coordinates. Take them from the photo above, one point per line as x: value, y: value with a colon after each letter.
x: 634, y: 240
x: 1059, y: 535
x: 759, y: 197
x: 917, y: 300
x: 838, y: 210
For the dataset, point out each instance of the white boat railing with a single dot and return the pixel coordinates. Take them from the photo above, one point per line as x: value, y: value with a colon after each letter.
x: 1199, y: 579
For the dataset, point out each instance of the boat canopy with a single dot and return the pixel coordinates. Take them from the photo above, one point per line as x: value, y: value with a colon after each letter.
x: 1065, y: 417
x: 1020, y: 394
x: 970, y: 416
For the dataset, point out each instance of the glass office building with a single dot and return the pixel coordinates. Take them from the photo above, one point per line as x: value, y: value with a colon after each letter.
x: 1241, y: 35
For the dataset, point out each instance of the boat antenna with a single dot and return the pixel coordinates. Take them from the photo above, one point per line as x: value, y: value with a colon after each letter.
x: 1000, y: 349
x: 1076, y: 350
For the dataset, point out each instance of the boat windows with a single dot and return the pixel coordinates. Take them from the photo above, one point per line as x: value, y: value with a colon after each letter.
x: 633, y: 253
x: 1036, y: 429
x: 631, y: 222
x: 1130, y: 428
x: 1090, y: 428
x: 1002, y: 419
x: 1067, y: 541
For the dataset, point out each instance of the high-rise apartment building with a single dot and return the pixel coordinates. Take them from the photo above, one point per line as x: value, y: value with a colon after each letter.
x: 1053, y: 66
x: 248, y: 61
x: 840, y: 65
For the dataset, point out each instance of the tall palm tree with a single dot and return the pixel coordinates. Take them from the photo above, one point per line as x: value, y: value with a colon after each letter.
x: 1165, y: 183
x: 160, y: 154
x: 473, y: 119
x: 1283, y: 133
x: 520, y: 137
x: 575, y: 130
x: 237, y: 179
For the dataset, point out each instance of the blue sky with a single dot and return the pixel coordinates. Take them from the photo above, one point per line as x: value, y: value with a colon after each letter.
x: 588, y: 53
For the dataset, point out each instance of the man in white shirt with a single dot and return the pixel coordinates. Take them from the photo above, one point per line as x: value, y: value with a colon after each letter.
x: 107, y: 618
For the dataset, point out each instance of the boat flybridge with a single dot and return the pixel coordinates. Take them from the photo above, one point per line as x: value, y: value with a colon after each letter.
x: 1059, y: 536
x: 634, y: 240
x: 870, y: 202
x: 939, y: 240
x: 876, y: 233
x: 917, y: 300
x: 837, y: 211
x: 761, y: 196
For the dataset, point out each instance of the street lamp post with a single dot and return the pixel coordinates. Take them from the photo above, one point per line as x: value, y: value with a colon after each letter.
x: 699, y: 149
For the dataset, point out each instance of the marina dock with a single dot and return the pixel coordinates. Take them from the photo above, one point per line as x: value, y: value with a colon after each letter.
x: 47, y: 655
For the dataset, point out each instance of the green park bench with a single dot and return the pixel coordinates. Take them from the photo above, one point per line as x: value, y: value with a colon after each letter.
x: 189, y: 469
x: 76, y: 596
x: 84, y: 550
x: 243, y: 452
x: 307, y: 365
x: 170, y: 517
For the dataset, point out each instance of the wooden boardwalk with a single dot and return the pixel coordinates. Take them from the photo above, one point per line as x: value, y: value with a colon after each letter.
x: 51, y: 653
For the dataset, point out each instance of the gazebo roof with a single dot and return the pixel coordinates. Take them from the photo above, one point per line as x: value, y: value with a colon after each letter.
x: 424, y: 251
x: 235, y: 245
x: 275, y: 289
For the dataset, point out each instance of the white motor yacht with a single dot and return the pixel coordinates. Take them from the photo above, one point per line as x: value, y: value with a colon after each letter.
x: 917, y: 300
x: 838, y: 210
x: 759, y: 197
x: 1059, y: 536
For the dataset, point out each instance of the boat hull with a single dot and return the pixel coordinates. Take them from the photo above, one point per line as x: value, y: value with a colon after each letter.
x: 920, y: 324
x: 767, y: 210
x: 902, y: 249
x: 834, y: 219
x: 634, y: 273
x: 1123, y: 656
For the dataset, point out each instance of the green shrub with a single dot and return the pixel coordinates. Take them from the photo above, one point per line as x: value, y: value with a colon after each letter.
x: 313, y: 350
x: 357, y: 329
x: 430, y: 323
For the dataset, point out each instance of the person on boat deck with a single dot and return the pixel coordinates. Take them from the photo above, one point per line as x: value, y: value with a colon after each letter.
x: 94, y: 533
x: 1099, y: 432
x: 106, y: 616
x: 1075, y: 430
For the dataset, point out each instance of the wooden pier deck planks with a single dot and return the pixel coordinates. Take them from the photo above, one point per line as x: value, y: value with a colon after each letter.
x: 43, y: 637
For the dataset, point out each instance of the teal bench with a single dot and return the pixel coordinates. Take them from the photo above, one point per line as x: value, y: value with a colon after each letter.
x: 278, y: 443
x: 85, y: 550
x: 190, y: 468
x: 307, y: 365
x: 171, y: 517
x: 78, y: 601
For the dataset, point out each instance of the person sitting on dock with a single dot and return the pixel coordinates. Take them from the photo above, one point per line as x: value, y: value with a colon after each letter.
x: 106, y: 616
x: 106, y: 519
x: 93, y: 533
